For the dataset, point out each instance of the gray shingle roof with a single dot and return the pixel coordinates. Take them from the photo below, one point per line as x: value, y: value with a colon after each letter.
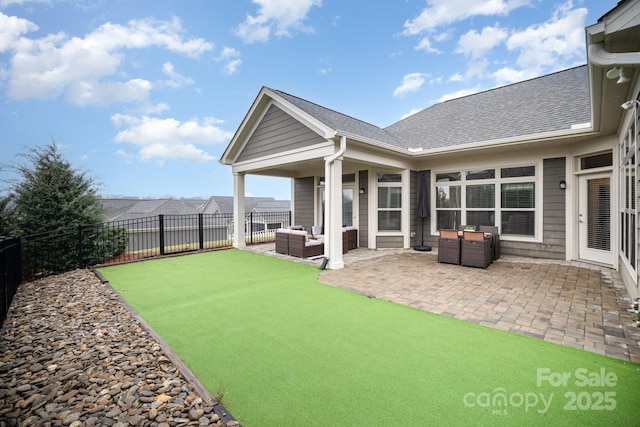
x: 339, y: 121
x: 273, y: 206
x: 549, y: 103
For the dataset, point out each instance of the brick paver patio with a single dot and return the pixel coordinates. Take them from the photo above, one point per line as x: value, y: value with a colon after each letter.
x: 569, y: 303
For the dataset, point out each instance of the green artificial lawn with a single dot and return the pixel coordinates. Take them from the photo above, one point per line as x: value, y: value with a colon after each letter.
x: 289, y: 351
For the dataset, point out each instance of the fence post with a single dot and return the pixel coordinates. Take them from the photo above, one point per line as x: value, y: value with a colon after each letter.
x: 18, y: 263
x: 251, y: 227
x: 201, y: 230
x: 161, y: 231
x: 80, y: 246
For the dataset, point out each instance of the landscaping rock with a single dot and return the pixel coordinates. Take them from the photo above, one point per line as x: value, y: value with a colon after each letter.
x: 71, y: 354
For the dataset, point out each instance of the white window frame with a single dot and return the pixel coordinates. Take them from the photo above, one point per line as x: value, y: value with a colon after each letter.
x: 403, y: 201
x: 497, y: 182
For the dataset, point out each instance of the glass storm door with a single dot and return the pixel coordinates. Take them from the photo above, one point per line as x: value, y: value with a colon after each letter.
x: 594, y: 218
x: 348, y: 214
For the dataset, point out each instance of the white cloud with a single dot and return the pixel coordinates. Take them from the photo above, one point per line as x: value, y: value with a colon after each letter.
x: 410, y: 113
x: 476, y: 45
x: 411, y: 82
x: 279, y: 17
x: 11, y: 28
x: 230, y: 57
x: 425, y: 44
x: 458, y: 94
x: 162, y: 139
x: 5, y: 3
x: 554, y: 43
x: 441, y: 13
x: 176, y: 80
x: 105, y: 93
x: 85, y: 69
x: 508, y: 75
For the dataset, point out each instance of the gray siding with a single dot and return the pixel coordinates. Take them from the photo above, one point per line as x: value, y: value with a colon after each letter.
x: 553, y: 245
x: 277, y: 132
x: 386, y: 242
x: 363, y: 206
x: 303, y: 207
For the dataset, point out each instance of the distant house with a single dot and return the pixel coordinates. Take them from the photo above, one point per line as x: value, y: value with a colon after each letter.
x: 122, y: 209
x: 552, y: 161
x: 224, y: 204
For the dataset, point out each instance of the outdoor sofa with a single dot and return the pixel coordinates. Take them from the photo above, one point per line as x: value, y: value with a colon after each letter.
x: 297, y: 243
x: 349, y: 236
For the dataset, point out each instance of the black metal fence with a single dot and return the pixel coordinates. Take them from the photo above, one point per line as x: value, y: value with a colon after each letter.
x: 10, y: 273
x: 134, y: 239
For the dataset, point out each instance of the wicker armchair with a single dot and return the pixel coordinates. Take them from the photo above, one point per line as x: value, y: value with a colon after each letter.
x: 475, y: 249
x: 282, y: 241
x: 302, y: 247
x: 349, y: 239
x: 495, y: 238
x: 449, y: 247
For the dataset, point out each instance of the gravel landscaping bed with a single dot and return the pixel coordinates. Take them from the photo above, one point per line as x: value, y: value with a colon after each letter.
x: 73, y: 354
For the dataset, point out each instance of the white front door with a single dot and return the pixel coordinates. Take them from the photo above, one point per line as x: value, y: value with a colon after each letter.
x: 594, y: 218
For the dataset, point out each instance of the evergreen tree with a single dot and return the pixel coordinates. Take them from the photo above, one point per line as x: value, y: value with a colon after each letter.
x: 56, y: 210
x: 52, y: 195
x: 7, y: 216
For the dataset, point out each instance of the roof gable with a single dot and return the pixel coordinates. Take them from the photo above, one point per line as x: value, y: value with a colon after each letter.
x: 277, y: 132
x: 340, y: 122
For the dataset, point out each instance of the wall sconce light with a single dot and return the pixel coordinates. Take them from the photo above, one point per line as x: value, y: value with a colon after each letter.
x: 362, y: 190
x: 623, y: 77
x: 613, y: 73
x: 562, y: 184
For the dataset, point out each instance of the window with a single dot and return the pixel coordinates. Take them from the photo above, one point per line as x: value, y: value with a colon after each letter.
x: 628, y: 176
x: 596, y: 161
x: 499, y: 197
x: 518, y: 208
x: 481, y: 204
x: 389, y: 202
x: 448, y: 207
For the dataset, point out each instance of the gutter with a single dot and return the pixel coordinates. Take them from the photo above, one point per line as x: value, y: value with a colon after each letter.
x: 603, y: 58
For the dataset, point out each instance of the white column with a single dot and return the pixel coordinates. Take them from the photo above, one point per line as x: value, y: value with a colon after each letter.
x: 333, y: 216
x: 406, y: 208
x: 239, y: 240
x: 372, y: 210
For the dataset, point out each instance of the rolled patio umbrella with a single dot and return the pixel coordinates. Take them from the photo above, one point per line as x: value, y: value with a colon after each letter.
x: 422, y: 209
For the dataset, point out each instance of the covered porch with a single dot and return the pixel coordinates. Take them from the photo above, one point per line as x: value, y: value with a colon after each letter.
x: 337, y: 180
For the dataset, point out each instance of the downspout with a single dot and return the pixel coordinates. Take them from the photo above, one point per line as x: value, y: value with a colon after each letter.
x: 328, y: 190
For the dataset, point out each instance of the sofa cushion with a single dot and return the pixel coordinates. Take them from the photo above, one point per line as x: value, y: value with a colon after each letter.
x: 301, y: 233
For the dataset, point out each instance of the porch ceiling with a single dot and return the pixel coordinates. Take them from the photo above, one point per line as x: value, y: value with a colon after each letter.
x: 314, y: 167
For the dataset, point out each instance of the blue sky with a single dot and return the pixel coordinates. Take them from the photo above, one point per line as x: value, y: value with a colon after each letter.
x: 146, y: 95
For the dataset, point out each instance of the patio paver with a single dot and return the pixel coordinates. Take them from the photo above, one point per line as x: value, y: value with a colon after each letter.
x: 566, y: 302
